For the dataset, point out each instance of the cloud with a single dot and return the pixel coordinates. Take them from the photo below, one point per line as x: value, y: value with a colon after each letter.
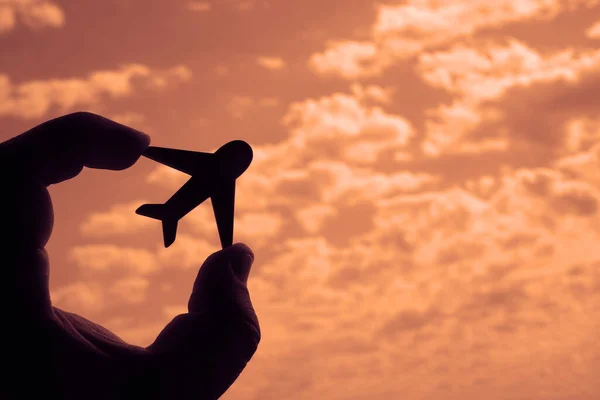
x: 240, y: 106
x: 340, y: 125
x: 483, y: 79
x: 373, y: 93
x: 550, y: 192
x: 582, y: 165
x: 168, y: 177
x: 36, y: 14
x: 330, y: 182
x: 253, y: 228
x: 244, y: 5
x: 130, y: 290
x: 428, y: 214
x: 140, y: 334
x: 423, y: 24
x: 197, y: 235
x: 79, y: 297
x: 527, y: 211
x: 201, y: 6
x: 406, y: 30
x: 313, y: 216
x: 415, y: 309
x: 593, y: 32
x: 174, y: 310
x: 487, y: 253
x: 161, y: 80
x: 407, y: 320
x: 580, y: 132
x: 485, y: 73
x: 120, y: 219
x: 259, y: 228
x: 308, y: 258
x: 350, y: 184
x: 272, y: 63
x: 188, y: 252
x: 449, y: 128
x: 37, y: 98
x: 107, y: 257
x: 552, y: 120
x: 350, y: 60
x: 129, y: 118
x: 7, y: 19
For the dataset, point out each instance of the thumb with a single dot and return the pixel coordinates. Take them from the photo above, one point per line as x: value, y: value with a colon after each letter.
x: 204, y: 351
x: 221, y: 282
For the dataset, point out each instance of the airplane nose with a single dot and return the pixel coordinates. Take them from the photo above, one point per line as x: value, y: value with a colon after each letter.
x: 235, y: 157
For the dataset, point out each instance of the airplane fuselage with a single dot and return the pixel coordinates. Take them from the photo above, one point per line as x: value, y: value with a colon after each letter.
x: 193, y: 193
x: 230, y: 161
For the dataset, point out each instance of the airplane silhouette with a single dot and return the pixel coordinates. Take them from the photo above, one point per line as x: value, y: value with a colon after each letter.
x: 212, y: 175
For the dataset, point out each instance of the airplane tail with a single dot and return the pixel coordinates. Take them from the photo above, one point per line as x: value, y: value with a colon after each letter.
x: 158, y: 211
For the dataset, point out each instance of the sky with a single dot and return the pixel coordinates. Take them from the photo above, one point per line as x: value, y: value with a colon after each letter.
x: 422, y: 204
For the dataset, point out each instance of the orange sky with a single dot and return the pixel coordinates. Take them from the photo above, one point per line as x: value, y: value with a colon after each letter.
x: 423, y: 201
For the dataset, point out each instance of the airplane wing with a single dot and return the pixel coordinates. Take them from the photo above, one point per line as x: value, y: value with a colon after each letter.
x: 223, y: 203
x: 182, y: 160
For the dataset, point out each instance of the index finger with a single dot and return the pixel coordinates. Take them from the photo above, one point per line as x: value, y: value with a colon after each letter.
x: 52, y: 152
x: 58, y: 149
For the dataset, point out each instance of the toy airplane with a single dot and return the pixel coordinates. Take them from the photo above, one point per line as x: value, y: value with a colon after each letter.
x: 212, y: 175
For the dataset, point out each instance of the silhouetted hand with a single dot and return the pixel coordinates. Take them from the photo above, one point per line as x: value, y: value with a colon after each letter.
x: 51, y: 353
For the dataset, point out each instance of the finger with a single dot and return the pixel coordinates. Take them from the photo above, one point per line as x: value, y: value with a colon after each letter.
x: 47, y: 154
x: 223, y: 279
x: 58, y: 150
x: 206, y: 349
x: 53, y: 152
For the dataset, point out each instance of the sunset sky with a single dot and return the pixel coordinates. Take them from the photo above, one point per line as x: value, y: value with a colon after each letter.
x: 422, y: 204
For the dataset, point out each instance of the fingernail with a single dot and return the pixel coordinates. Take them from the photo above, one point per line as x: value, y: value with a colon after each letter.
x: 142, y: 135
x: 241, y: 265
x: 145, y: 137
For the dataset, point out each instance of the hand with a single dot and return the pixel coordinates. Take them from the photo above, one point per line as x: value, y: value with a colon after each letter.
x: 48, y: 352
